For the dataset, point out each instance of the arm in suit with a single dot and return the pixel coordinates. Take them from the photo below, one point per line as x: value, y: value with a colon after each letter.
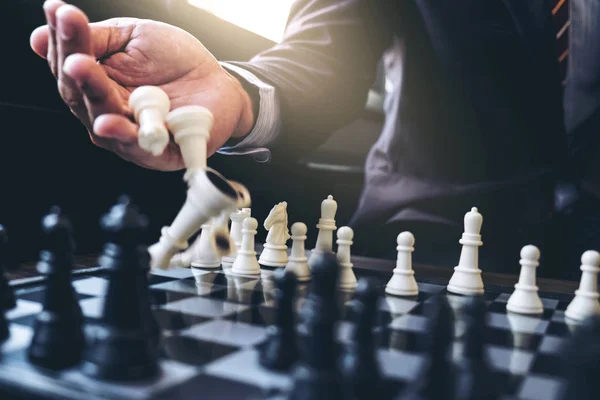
x: 322, y: 69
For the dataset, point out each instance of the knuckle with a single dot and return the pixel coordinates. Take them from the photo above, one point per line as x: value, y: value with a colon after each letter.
x: 70, y: 95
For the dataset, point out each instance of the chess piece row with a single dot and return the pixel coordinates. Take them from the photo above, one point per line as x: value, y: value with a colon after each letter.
x: 467, y: 279
x: 122, y: 344
x: 275, y: 254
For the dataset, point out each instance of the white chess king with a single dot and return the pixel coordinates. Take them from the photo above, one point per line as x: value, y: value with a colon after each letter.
x: 525, y: 298
x: 326, y: 227
x: 466, y: 279
x: 585, y: 303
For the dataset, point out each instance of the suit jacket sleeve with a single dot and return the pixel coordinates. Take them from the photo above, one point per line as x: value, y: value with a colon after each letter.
x: 322, y: 69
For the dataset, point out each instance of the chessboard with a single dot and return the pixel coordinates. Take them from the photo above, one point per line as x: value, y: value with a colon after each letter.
x: 213, y: 325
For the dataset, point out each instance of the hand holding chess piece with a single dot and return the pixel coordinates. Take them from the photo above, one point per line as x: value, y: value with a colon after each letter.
x: 98, y: 92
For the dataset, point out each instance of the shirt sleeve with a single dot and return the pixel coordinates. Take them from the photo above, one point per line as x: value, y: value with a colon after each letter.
x: 268, y: 119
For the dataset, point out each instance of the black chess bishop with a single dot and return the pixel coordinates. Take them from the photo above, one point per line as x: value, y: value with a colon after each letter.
x: 359, y: 363
x: 123, y: 344
x: 280, y: 351
x: 316, y: 375
x: 58, y: 338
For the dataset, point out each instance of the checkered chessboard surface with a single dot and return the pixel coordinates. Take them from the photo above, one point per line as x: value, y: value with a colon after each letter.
x: 213, y: 324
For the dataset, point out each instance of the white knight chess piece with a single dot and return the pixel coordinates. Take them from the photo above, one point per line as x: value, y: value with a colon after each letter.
x: 275, y: 249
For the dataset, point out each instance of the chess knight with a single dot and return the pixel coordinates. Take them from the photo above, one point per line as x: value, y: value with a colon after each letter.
x: 275, y: 250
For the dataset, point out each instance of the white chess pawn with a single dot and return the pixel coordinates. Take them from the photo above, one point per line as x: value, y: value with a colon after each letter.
x: 246, y: 263
x: 347, y: 278
x: 150, y: 105
x: 525, y: 298
x: 298, y: 262
x: 403, y: 282
x: 326, y: 227
x: 236, y: 235
x: 205, y: 254
x: 585, y: 303
x: 191, y: 126
x: 466, y: 279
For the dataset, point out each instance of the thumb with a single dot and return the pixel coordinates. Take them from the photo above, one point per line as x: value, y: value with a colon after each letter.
x: 108, y: 37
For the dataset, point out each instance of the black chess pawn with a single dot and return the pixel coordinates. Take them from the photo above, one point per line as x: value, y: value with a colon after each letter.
x: 123, y: 344
x: 581, y: 362
x: 359, y: 364
x: 7, y: 298
x: 436, y: 379
x: 316, y: 375
x: 280, y: 351
x: 58, y: 338
x: 474, y: 377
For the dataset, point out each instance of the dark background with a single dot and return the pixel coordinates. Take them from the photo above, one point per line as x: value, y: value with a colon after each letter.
x: 46, y: 156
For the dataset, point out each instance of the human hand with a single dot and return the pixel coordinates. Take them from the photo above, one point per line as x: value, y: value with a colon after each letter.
x: 97, y: 66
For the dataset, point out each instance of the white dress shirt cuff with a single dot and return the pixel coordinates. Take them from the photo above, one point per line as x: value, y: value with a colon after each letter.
x: 268, y: 120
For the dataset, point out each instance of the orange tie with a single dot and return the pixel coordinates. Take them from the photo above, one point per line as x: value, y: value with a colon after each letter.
x: 560, y: 14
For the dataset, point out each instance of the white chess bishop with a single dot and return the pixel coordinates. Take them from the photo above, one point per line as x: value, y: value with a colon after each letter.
x: 585, y: 303
x: 403, y: 282
x: 298, y: 262
x: 236, y: 235
x: 525, y: 298
x: 275, y: 253
x: 326, y: 227
x: 466, y: 279
x: 347, y: 278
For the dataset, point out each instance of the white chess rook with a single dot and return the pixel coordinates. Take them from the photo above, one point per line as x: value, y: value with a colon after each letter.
x: 191, y: 126
x: 466, y: 279
x: 585, y: 303
x: 347, y: 278
x: 206, y: 254
x: 236, y: 235
x: 246, y: 263
x: 403, y: 282
x: 298, y: 262
x: 525, y: 298
x: 208, y: 194
x: 326, y: 226
x: 150, y: 105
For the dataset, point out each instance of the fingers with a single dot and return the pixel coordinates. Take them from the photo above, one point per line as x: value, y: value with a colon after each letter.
x: 99, y: 91
x: 115, y: 126
x: 50, y: 8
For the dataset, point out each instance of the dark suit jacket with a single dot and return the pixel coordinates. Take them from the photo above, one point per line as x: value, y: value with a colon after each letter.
x: 475, y: 116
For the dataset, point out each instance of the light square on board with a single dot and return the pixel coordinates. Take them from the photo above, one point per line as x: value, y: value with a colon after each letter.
x: 173, y: 373
x: 177, y: 272
x: 540, y: 388
x: 414, y: 323
x: 205, y: 307
x: 23, y: 308
x: 187, y: 286
x: 517, y: 323
x: 243, y: 366
x: 92, y: 286
x: 227, y: 332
